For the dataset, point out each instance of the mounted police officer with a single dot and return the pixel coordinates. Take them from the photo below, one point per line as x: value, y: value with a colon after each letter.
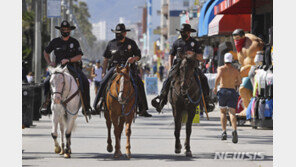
x: 118, y: 51
x: 184, y: 45
x: 67, y: 51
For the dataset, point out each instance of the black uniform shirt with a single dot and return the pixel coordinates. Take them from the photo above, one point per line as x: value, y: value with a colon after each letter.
x: 190, y: 45
x: 121, y: 51
x: 64, y: 49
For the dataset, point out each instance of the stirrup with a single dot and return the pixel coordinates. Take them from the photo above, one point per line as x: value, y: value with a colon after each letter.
x: 154, y: 103
x: 157, y: 105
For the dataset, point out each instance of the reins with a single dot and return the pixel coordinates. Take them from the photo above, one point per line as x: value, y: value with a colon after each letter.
x: 130, y: 96
x: 64, y: 102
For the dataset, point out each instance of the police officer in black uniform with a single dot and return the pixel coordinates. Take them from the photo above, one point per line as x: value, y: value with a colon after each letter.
x: 118, y: 51
x: 67, y: 52
x: 184, y: 45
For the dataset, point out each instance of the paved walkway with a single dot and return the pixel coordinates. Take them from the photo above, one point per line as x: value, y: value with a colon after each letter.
x: 152, y: 144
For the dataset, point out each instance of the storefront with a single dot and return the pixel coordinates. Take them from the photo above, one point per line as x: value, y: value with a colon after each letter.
x: 261, y: 12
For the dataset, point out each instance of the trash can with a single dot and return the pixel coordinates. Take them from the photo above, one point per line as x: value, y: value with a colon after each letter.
x: 27, y: 104
x: 37, y: 101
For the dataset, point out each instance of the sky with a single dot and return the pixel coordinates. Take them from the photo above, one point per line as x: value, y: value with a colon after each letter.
x: 111, y: 10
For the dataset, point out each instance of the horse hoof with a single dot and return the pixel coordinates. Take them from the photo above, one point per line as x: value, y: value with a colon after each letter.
x: 67, y: 155
x: 57, y: 149
x: 109, y: 148
x: 128, y: 156
x: 62, y: 152
x: 117, y: 154
x: 178, y: 149
x: 188, y: 153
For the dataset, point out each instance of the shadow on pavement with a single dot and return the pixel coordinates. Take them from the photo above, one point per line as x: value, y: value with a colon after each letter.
x: 165, y: 157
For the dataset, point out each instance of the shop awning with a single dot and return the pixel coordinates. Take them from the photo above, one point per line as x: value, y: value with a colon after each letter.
x: 209, y: 16
x: 234, y: 7
x: 202, y: 14
x: 226, y: 24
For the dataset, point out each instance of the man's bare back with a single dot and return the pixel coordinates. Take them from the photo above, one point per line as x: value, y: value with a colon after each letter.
x: 228, y: 77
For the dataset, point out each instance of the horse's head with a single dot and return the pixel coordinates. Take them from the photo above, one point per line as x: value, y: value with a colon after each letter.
x: 57, y: 83
x: 124, y: 83
x: 187, y: 67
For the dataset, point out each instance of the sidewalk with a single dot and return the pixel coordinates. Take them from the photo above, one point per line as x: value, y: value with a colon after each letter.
x: 152, y: 143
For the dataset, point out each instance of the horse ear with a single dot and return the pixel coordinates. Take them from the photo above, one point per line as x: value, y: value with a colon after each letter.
x: 64, y: 69
x: 50, y: 69
x: 117, y: 69
x: 127, y: 68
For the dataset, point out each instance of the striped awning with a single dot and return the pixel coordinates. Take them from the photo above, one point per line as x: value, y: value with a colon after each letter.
x: 234, y: 7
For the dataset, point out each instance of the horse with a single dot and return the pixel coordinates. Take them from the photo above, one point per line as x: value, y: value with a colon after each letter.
x: 184, y: 96
x: 121, y: 107
x: 65, y: 104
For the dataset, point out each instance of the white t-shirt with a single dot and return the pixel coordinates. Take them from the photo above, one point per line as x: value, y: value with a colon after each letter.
x: 98, y: 72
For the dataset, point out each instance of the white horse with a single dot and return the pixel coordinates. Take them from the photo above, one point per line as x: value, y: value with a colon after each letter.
x: 65, y: 106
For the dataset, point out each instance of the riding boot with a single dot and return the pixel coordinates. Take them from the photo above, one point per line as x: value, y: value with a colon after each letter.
x: 163, y: 97
x: 86, y: 100
x: 142, y: 101
x: 45, y: 107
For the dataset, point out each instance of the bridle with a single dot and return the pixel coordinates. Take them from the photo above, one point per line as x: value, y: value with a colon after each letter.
x: 191, y: 81
x: 64, y: 103
x: 61, y: 93
x: 132, y: 84
x: 121, y: 91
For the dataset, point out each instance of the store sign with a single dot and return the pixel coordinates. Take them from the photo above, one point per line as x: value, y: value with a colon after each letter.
x: 53, y: 8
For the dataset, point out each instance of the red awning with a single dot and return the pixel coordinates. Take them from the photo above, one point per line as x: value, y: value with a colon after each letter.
x: 234, y: 7
x: 226, y: 24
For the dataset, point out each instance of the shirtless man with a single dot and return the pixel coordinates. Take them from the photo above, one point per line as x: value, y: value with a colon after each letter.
x: 229, y: 79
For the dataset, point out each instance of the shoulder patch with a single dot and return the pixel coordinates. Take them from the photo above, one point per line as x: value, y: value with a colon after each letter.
x: 71, y: 45
x: 192, y: 44
x: 129, y: 47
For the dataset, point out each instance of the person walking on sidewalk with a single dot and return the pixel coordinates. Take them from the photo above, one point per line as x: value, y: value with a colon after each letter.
x: 229, y: 79
x: 97, y: 74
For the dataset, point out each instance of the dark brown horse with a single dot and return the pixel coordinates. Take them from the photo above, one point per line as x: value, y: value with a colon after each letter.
x: 121, y: 106
x: 185, y: 96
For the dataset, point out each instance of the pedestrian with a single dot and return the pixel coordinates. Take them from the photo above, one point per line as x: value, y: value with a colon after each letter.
x: 97, y: 75
x: 229, y: 79
x: 30, y: 77
x: 119, y: 51
x: 161, y: 70
x: 154, y: 69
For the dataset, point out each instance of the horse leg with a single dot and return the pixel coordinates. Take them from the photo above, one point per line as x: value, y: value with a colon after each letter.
x: 108, y: 124
x: 70, y: 125
x: 128, y: 133
x: 54, y: 134
x: 121, y: 124
x: 178, y: 119
x: 62, y: 136
x: 117, y: 153
x: 188, y: 132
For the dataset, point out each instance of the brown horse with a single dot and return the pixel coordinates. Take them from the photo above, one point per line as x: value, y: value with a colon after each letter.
x: 184, y: 96
x: 121, y: 106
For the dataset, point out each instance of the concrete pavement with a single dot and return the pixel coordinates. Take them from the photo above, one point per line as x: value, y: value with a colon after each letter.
x: 152, y: 143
